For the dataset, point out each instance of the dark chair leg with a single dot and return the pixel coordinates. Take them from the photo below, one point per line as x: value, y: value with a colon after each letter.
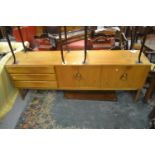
x: 152, y: 118
x: 152, y: 113
x: 150, y: 90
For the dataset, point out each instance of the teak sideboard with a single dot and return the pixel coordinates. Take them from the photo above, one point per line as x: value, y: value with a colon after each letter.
x: 104, y: 70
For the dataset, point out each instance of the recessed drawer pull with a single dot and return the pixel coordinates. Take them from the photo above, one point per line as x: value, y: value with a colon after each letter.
x: 124, y: 77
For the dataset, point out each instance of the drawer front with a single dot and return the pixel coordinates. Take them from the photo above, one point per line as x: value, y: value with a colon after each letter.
x: 123, y: 77
x: 33, y: 77
x: 36, y: 84
x: 30, y: 70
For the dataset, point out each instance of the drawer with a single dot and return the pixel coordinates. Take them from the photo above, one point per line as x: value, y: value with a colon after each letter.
x: 36, y: 84
x: 31, y: 70
x: 33, y: 77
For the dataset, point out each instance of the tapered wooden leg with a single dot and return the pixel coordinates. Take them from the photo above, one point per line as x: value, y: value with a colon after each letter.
x: 150, y: 90
x: 22, y: 93
x: 152, y: 113
x: 137, y: 95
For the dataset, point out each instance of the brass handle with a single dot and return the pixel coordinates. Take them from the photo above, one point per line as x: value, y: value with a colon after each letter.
x: 124, y: 77
x: 77, y: 76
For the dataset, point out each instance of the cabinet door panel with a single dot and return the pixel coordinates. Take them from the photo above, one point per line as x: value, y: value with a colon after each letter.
x: 66, y: 77
x: 90, y: 77
x: 123, y: 77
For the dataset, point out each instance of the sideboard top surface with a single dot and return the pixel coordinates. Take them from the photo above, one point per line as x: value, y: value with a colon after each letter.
x: 94, y: 57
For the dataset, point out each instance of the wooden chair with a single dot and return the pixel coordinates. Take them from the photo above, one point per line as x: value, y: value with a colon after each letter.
x: 125, y: 42
x: 122, y: 39
x: 129, y: 37
x: 150, y: 46
x: 137, y: 34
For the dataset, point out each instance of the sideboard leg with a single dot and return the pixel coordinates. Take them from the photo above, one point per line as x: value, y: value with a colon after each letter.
x: 137, y: 95
x: 150, y: 90
x: 22, y: 93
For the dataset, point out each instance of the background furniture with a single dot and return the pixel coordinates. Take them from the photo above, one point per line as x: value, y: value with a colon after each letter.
x: 150, y: 46
x: 150, y: 51
x: 98, y: 39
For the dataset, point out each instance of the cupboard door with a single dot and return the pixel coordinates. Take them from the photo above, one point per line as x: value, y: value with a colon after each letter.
x: 123, y: 77
x: 90, y: 77
x: 66, y: 77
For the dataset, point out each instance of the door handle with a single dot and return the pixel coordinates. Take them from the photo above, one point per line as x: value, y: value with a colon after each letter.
x: 77, y: 76
x: 124, y: 77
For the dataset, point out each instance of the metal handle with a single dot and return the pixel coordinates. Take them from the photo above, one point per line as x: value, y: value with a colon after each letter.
x: 77, y: 76
x: 124, y: 77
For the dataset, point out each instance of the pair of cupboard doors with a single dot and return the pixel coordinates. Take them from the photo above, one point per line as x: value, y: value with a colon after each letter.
x: 101, y: 77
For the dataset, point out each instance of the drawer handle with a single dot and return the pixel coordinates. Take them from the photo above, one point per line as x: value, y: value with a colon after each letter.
x: 77, y: 76
x: 124, y: 77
